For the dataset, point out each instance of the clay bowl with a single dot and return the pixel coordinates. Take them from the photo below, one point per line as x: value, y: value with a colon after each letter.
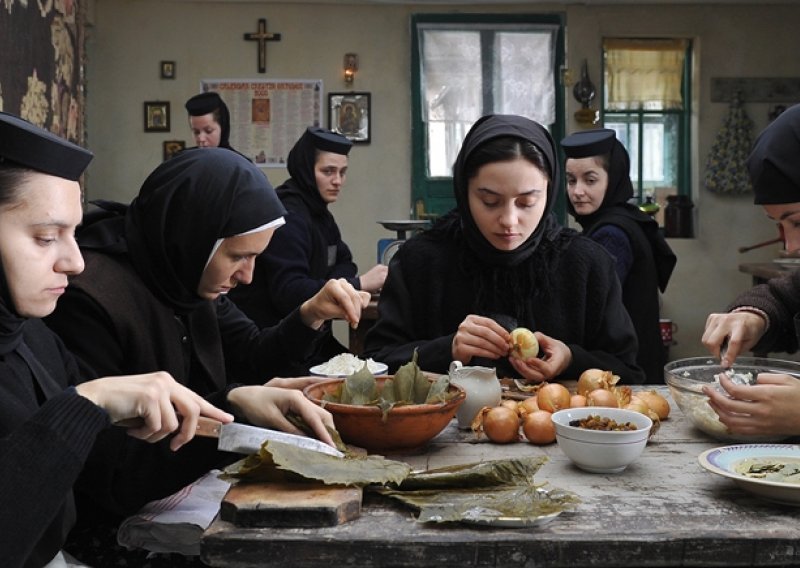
x: 406, y: 427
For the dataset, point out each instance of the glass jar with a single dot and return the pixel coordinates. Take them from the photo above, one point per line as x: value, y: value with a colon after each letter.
x: 678, y: 222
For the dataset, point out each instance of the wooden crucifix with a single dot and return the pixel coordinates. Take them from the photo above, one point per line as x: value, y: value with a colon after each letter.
x: 262, y: 37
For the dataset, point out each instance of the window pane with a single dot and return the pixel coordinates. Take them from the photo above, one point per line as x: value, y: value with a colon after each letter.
x: 519, y: 64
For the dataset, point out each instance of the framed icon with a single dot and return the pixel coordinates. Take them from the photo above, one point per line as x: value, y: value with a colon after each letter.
x: 156, y: 116
x: 172, y: 147
x: 167, y: 69
x: 349, y: 115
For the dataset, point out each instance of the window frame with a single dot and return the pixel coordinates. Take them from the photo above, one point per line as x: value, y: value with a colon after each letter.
x: 684, y: 173
x: 436, y: 193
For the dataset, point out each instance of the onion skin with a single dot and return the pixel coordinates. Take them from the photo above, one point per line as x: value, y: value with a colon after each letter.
x: 552, y: 397
x: 602, y: 397
x: 500, y: 424
x: 538, y: 427
x: 656, y: 403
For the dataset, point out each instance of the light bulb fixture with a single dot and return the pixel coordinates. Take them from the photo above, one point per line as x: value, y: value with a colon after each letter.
x: 350, y: 67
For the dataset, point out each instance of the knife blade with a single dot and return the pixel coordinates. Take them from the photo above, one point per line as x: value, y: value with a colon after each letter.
x: 246, y: 439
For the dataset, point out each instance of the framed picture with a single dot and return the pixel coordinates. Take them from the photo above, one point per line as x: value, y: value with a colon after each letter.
x: 349, y: 115
x: 156, y: 116
x: 172, y: 147
x: 167, y: 69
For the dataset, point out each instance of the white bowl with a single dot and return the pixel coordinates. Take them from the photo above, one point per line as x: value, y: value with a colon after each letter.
x: 599, y: 451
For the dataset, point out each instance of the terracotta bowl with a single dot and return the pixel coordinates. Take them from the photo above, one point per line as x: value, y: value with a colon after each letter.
x: 406, y: 427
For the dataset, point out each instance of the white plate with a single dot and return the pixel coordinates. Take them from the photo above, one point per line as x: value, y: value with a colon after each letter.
x: 722, y: 461
x: 380, y: 368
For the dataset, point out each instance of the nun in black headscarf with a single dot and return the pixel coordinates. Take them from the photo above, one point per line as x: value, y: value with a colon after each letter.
x: 309, y: 250
x: 50, y: 415
x: 644, y: 260
x: 765, y: 318
x: 210, y: 120
x: 152, y: 297
x: 500, y: 260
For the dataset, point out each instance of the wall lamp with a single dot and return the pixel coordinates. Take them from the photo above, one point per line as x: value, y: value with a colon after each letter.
x: 350, y: 67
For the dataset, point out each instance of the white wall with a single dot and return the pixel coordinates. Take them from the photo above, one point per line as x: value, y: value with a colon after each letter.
x: 128, y: 38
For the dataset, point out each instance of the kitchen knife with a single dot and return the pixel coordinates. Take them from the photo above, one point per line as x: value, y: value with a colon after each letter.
x: 246, y: 439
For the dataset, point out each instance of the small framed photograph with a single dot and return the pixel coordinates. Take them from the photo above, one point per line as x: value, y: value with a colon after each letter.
x: 156, y: 116
x: 167, y: 69
x: 349, y: 115
x: 172, y: 147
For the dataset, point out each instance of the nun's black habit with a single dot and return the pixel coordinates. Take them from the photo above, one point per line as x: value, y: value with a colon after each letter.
x: 46, y: 428
x: 304, y: 254
x: 135, y: 309
x: 650, y: 262
x: 557, y: 282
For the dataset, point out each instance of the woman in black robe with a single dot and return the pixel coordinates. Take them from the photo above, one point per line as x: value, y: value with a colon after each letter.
x: 309, y: 250
x: 599, y: 189
x: 48, y: 425
x: 500, y: 260
x: 153, y: 296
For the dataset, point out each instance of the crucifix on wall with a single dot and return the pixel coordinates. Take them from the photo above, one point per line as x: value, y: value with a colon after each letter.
x: 262, y: 36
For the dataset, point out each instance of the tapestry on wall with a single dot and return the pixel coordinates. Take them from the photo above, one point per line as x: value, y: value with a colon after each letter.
x: 41, y: 63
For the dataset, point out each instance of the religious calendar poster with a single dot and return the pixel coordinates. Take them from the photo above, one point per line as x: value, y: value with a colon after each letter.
x: 268, y: 116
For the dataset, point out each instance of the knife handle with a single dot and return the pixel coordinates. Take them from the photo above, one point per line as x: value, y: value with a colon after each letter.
x: 206, y: 427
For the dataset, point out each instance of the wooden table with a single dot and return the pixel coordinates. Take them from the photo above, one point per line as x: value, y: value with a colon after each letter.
x: 663, y: 510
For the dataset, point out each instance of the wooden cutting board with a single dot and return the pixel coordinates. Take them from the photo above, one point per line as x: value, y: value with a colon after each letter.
x: 272, y: 504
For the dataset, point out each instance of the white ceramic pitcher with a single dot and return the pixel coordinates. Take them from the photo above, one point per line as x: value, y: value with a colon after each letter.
x: 482, y: 388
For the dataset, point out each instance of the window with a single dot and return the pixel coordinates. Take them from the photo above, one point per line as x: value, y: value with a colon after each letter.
x: 466, y: 66
x: 646, y: 99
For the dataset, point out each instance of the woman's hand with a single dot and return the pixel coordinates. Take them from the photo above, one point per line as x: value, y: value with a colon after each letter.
x: 741, y: 330
x: 298, y: 383
x: 268, y: 406
x: 158, y: 400
x: 768, y: 408
x: 337, y: 300
x: 372, y: 280
x: 554, y: 357
x: 479, y: 336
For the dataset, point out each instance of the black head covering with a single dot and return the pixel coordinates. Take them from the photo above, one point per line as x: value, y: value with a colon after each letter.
x: 774, y: 162
x: 615, y: 208
x: 23, y: 145
x: 587, y: 143
x: 184, y: 207
x: 28, y: 146
x: 206, y: 103
x: 485, y: 129
x: 300, y: 163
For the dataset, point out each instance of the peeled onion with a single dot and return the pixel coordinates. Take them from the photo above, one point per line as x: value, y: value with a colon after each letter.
x: 602, y: 397
x: 656, y: 402
x: 538, y: 427
x: 552, y: 397
x: 592, y: 379
x: 524, y: 344
x: 500, y: 424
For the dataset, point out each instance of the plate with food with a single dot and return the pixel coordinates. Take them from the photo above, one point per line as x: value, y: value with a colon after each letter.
x: 770, y: 471
x: 346, y: 364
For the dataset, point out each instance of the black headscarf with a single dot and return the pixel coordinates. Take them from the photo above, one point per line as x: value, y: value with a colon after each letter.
x: 615, y: 209
x: 485, y: 129
x: 302, y: 183
x: 26, y: 147
x: 206, y: 103
x: 774, y: 162
x: 185, y: 206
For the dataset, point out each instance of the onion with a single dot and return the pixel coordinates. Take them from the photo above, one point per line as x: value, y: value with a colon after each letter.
x: 529, y: 405
x: 656, y: 402
x: 500, y: 424
x: 552, y: 397
x: 592, y: 379
x: 524, y: 344
x: 577, y: 401
x: 538, y: 427
x: 637, y: 405
x: 512, y: 404
x: 602, y: 397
